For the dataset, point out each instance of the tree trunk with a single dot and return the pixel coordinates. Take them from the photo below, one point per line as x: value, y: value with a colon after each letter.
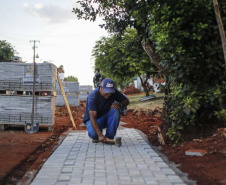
x: 164, y: 127
x: 144, y: 84
x: 150, y: 50
x: 156, y: 59
x: 221, y: 27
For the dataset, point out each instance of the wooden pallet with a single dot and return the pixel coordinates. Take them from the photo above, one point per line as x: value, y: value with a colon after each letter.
x: 4, y: 126
x: 37, y: 93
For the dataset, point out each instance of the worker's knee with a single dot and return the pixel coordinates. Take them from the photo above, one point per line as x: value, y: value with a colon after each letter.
x: 114, y: 112
x: 91, y: 132
x: 92, y: 135
x: 117, y: 112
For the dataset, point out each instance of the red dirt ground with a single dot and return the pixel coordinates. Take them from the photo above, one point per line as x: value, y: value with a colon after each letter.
x: 130, y: 90
x: 20, y: 152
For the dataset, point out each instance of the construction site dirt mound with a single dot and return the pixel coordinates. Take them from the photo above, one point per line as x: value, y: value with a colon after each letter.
x: 130, y: 90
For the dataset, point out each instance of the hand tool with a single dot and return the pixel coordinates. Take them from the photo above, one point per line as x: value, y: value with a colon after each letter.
x: 66, y: 102
x: 117, y: 141
x: 32, y: 127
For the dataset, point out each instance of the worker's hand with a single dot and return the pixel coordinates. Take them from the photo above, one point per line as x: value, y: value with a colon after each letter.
x: 116, y: 105
x: 102, y: 138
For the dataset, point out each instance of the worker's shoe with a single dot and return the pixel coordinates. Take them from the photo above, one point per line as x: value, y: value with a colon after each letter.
x: 95, y: 141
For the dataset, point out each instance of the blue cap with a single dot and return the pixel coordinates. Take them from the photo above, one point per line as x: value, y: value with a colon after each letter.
x: 108, y: 85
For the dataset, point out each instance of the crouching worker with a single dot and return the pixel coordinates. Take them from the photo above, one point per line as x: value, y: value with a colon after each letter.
x: 102, y: 112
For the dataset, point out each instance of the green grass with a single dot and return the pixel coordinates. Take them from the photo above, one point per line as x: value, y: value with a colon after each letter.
x: 149, y: 104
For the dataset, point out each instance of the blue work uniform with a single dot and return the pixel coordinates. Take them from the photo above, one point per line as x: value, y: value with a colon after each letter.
x: 107, y: 117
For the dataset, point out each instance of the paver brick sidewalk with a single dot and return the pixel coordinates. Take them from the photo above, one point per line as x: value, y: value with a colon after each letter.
x: 79, y: 161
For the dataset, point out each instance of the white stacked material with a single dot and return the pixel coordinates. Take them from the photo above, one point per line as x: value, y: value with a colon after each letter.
x: 72, y: 99
x: 84, y: 91
x: 18, y: 109
x: 83, y: 97
x: 19, y: 76
x: 69, y: 87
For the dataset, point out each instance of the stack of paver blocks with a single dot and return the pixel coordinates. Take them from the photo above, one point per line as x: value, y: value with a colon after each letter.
x: 16, y: 109
x: 19, y: 76
x: 72, y: 90
x: 84, y: 91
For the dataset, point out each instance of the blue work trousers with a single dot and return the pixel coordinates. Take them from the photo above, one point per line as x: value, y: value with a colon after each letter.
x: 110, y: 121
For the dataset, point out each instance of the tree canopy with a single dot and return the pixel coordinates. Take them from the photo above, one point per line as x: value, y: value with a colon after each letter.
x: 71, y: 79
x: 123, y: 58
x: 6, y: 51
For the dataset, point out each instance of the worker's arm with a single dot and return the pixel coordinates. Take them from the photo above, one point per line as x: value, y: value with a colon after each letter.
x: 123, y: 104
x: 93, y: 116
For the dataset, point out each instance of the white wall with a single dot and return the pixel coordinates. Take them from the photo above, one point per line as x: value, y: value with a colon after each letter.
x: 137, y: 83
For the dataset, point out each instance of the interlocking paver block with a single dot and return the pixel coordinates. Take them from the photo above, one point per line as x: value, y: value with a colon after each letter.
x: 64, y: 178
x: 75, y: 180
x: 67, y: 170
x: 138, y: 180
x: 87, y: 181
x: 112, y: 177
x: 69, y: 163
x: 195, y: 152
x: 100, y: 182
x: 61, y: 183
x: 125, y: 178
x: 151, y: 181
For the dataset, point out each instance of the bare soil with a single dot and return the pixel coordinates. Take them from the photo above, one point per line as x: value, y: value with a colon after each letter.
x: 20, y: 152
x: 130, y: 90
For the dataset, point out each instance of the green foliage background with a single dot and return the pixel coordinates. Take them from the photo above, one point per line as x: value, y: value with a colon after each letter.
x: 71, y: 79
x: 122, y: 58
x: 6, y: 51
x: 187, y: 39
